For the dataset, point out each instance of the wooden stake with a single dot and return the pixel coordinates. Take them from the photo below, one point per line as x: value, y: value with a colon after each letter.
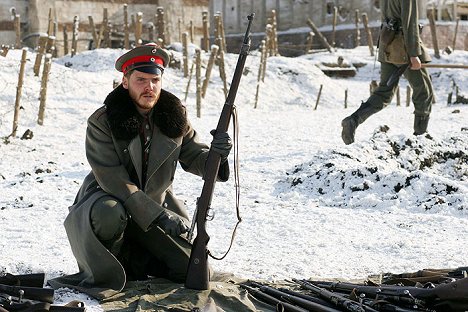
x: 17, y: 23
x: 41, y: 46
x: 319, y: 34
x: 335, y: 15
x: 310, y: 41
x: 209, y: 67
x: 43, y: 92
x: 206, y: 34
x: 19, y: 89
x: 357, y: 41
x: 65, y: 40
x: 455, y: 34
x: 75, y: 36
x: 198, y: 80
x: 151, y: 31
x: 431, y: 16
x: 370, y: 42
x: 222, y: 70
x: 190, y: 79
x: 185, y: 53
x: 160, y: 24
x: 318, y: 97
x: 398, y: 98
x: 346, y: 98
x: 191, y: 31
x: 93, y: 31
x: 138, y: 28
x: 126, y: 31
x: 260, y: 70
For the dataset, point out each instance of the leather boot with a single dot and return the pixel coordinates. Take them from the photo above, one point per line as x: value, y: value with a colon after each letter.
x: 349, y: 125
x: 351, y: 122
x: 420, y: 124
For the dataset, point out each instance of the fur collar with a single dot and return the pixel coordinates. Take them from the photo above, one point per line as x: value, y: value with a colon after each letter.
x: 124, y: 120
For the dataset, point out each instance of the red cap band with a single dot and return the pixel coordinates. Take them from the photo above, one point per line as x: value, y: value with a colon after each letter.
x: 142, y: 59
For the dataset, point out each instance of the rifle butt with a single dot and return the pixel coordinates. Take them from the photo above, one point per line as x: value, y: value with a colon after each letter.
x: 198, y: 275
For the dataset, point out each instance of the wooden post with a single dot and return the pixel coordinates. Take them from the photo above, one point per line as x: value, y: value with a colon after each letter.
x: 346, y: 98
x: 431, y: 16
x: 409, y: 92
x: 179, y: 28
x: 310, y: 41
x: 185, y: 53
x: 138, y: 28
x: 335, y: 15
x: 17, y: 23
x: 93, y: 32
x: 105, y: 36
x: 274, y: 32
x: 216, y: 34
x: 126, y: 31
x: 65, y: 40
x: 209, y: 67
x: 151, y: 31
x: 41, y: 46
x: 357, y: 41
x: 455, y: 34
x: 50, y: 23
x: 318, y: 97
x: 206, y: 34
x: 19, y: 89
x: 319, y: 34
x: 75, y: 36
x: 190, y: 79
x: 4, y: 50
x: 50, y: 46
x: 260, y: 70
x: 160, y: 24
x: 370, y: 42
x: 398, y: 98
x: 191, y: 31
x: 43, y: 92
x: 198, y: 80
x: 222, y: 69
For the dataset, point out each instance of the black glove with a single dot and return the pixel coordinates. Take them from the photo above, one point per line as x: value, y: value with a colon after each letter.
x: 171, y: 223
x: 221, y: 144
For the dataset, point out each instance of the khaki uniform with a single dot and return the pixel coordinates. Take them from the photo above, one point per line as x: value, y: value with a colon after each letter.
x: 404, y: 43
x: 118, y: 196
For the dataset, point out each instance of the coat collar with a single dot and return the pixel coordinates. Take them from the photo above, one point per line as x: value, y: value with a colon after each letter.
x: 125, y: 121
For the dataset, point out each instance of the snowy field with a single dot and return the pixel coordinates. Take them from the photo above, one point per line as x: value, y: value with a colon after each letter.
x: 311, y: 206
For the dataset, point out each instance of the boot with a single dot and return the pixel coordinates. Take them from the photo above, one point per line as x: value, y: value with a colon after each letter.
x: 349, y: 125
x: 351, y: 122
x: 420, y: 124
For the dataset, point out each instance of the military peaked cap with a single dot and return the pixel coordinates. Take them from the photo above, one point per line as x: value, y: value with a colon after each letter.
x: 149, y: 58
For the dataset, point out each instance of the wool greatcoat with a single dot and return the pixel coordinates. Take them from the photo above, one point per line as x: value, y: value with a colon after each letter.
x: 114, y: 152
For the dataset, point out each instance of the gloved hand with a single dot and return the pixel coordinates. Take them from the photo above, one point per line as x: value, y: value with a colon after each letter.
x: 221, y: 144
x: 171, y: 223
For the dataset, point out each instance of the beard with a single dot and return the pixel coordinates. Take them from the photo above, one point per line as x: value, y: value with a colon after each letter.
x: 144, y: 101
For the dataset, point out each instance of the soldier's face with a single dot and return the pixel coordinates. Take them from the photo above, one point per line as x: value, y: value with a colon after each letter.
x: 144, y: 89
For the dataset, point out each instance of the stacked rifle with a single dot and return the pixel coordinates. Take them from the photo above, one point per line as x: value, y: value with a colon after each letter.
x: 25, y: 293
x: 438, y: 293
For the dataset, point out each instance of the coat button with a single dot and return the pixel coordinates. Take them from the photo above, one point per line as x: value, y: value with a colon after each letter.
x: 165, y: 205
x: 125, y: 150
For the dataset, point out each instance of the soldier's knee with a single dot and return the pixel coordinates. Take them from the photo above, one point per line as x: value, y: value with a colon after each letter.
x: 108, y: 218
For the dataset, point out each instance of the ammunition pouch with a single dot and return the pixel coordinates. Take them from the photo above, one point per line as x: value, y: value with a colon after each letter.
x: 395, y: 51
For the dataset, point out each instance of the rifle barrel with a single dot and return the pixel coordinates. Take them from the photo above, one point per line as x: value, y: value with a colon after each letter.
x: 33, y: 293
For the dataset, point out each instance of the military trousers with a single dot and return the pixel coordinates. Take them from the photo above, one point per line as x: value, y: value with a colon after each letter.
x: 142, y: 254
x: 420, y: 82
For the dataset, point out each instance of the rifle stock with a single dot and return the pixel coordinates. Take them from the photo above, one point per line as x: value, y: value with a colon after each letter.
x: 197, y: 271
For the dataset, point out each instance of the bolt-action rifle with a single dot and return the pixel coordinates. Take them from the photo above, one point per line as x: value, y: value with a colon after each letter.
x: 451, y: 296
x: 197, y: 272
x: 33, y: 293
x: 333, y: 297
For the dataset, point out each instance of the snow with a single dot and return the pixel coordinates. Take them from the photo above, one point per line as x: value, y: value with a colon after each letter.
x: 311, y: 206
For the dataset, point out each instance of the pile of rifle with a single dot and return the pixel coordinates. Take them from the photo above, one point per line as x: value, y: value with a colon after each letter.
x: 25, y: 293
x: 426, y: 290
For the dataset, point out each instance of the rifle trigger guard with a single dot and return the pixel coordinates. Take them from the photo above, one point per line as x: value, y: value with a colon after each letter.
x: 210, y: 214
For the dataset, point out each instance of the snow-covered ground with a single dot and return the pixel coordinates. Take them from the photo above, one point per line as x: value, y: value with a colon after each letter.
x: 311, y: 206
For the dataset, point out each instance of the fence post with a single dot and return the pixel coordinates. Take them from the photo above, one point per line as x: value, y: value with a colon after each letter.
x: 126, y: 31
x: 185, y: 52
x: 370, y: 42
x: 318, y: 97
x: 19, y: 89
x: 431, y: 17
x: 198, y: 80
x: 43, y: 92
x: 357, y: 41
x: 209, y: 67
x: 75, y: 35
x: 206, y: 34
x: 41, y: 47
